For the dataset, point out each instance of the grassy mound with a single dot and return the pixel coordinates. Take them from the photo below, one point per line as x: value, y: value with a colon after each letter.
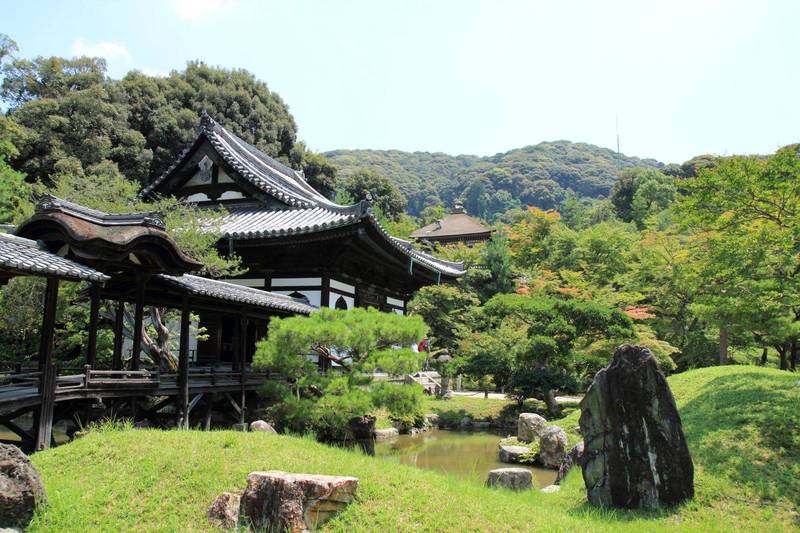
x: 741, y: 423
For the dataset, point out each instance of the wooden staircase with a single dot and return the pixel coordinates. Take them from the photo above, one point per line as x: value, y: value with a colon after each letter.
x: 431, y: 381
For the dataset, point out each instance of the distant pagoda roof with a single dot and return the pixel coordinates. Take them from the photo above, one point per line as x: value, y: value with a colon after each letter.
x: 456, y: 224
x: 307, y: 210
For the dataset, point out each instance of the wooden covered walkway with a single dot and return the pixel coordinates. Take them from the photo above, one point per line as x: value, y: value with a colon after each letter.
x: 64, y: 241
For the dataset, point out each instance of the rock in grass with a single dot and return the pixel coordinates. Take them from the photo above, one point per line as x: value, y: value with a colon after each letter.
x: 552, y: 447
x: 280, y: 501
x: 635, y: 452
x: 21, y: 489
x: 362, y: 427
x: 530, y: 427
x: 432, y: 420
x: 510, y: 478
x: 572, y: 458
x: 262, y: 426
x: 386, y: 434
x: 224, y: 512
x: 550, y: 489
x: 513, y: 454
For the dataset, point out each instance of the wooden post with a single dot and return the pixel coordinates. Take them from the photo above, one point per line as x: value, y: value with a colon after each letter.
x: 47, y: 391
x: 137, y: 324
x: 119, y: 318
x: 183, y: 364
x: 236, y: 344
x: 48, y: 323
x: 43, y: 423
x: 209, y: 406
x: 94, y: 316
x: 242, y: 363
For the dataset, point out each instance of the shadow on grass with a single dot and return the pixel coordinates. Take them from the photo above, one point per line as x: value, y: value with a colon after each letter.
x: 746, y: 428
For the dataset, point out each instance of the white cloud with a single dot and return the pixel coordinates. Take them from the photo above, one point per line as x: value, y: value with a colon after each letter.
x: 193, y: 10
x: 110, y: 51
x: 154, y: 72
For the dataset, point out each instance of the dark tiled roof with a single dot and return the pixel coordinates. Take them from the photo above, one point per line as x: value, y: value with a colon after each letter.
x: 308, y: 211
x: 455, y: 224
x: 262, y: 223
x: 259, y: 222
x: 49, y: 203
x: 224, y: 290
x: 264, y: 172
x: 26, y: 257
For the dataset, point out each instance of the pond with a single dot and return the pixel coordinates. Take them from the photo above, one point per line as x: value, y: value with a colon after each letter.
x: 468, y: 454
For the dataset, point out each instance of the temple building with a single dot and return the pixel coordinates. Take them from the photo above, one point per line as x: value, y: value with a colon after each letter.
x: 292, y: 239
x: 456, y: 227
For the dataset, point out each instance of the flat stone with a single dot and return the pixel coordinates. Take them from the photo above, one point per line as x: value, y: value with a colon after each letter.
x: 224, y: 512
x: 549, y: 489
x: 510, y: 478
x: 512, y: 454
x: 530, y: 427
x: 21, y: 488
x: 386, y: 434
x: 552, y: 447
x: 281, y: 501
x: 635, y: 453
x: 262, y: 426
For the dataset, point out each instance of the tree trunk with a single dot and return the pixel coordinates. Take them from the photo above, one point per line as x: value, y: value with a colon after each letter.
x: 782, y: 351
x: 485, y: 394
x: 552, y: 405
x: 764, y: 356
x: 793, y: 358
x: 723, y: 346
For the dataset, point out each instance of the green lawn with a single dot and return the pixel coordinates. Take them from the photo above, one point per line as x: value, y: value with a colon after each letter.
x: 741, y: 423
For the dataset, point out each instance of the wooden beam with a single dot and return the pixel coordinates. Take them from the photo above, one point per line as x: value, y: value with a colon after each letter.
x: 183, y: 364
x: 137, y: 324
x: 24, y: 435
x: 193, y: 404
x: 94, y: 316
x: 116, y: 362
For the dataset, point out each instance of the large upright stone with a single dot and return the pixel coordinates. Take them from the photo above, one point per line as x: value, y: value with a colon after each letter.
x: 635, y: 453
x: 21, y: 489
x: 279, y: 501
x: 530, y: 427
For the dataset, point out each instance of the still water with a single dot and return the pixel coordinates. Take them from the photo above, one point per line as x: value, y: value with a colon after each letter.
x: 466, y: 454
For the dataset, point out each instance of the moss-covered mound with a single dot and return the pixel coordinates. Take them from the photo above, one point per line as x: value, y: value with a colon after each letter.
x: 741, y: 423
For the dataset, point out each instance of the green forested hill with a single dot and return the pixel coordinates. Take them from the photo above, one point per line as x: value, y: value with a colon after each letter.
x: 537, y: 175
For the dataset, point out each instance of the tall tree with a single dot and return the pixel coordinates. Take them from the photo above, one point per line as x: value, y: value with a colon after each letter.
x: 386, y: 196
x: 749, y: 209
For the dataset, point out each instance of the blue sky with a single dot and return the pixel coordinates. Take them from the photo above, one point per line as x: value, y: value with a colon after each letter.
x: 683, y: 77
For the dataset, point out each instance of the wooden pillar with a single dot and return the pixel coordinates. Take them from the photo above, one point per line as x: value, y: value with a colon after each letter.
x: 137, y: 324
x: 47, y: 381
x: 47, y: 391
x: 242, y: 364
x: 48, y: 323
x: 119, y: 318
x: 183, y: 364
x: 236, y: 344
x: 94, y: 317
